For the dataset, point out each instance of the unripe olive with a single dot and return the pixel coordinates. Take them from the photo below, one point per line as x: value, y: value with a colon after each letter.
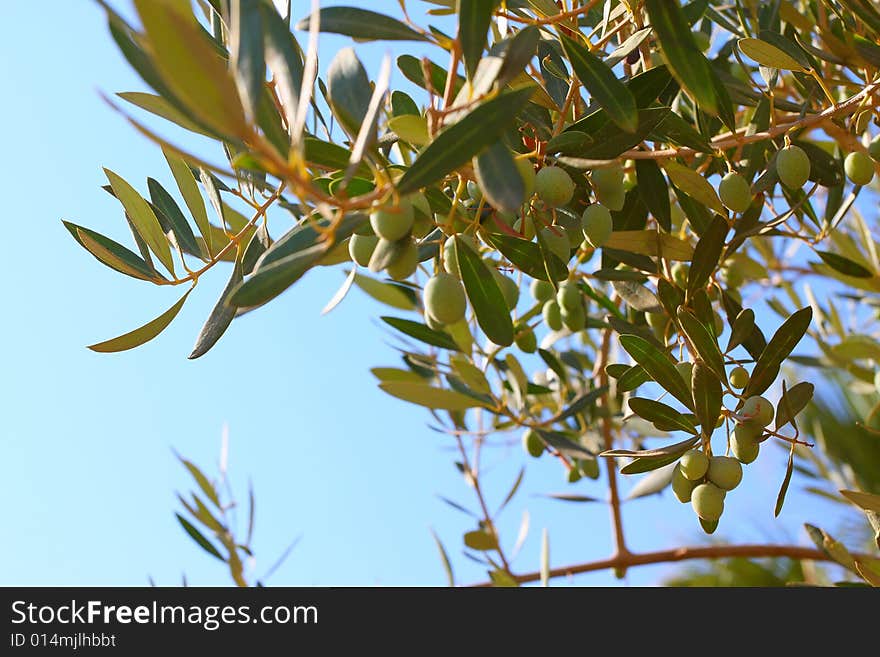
x: 694, y: 464
x: 792, y: 166
x: 680, y: 274
x: 444, y: 298
x: 859, y: 168
x: 758, y: 411
x: 552, y: 315
x: 542, y: 290
x: 569, y: 296
x: 532, y: 443
x: 406, y: 262
x: 554, y: 186
x: 725, y: 472
x: 708, y: 502
x: 739, y: 377
x: 392, y: 223
x: 735, y: 192
x: 874, y: 148
x: 450, y: 262
x: 556, y: 240
x: 573, y: 475
x: 430, y: 322
x: 744, y: 443
x: 527, y: 171
x: 473, y: 190
x: 526, y: 340
x: 709, y: 526
x: 596, y: 224
x: 608, y: 185
x: 588, y: 467
x: 681, y: 485
x: 574, y: 319
x: 719, y: 323
x: 361, y: 248
x: 509, y: 288
x: 571, y: 223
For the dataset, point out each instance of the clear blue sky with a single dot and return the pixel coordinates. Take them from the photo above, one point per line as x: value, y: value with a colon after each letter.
x: 87, y: 474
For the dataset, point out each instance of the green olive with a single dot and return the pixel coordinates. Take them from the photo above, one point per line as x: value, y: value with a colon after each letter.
x: 708, y: 502
x: 596, y: 224
x: 682, y: 487
x: 658, y: 323
x: 792, y: 166
x: 608, y: 185
x: 361, y: 248
x: 680, y: 274
x: 874, y: 148
x: 542, y: 290
x: 574, y: 319
x: 509, y: 288
x: 739, y: 377
x: 694, y: 464
x: 445, y: 299
x: 556, y: 240
x: 406, y: 262
x: 758, y: 411
x: 526, y: 340
x: 527, y: 171
x: 744, y: 444
x: 552, y: 315
x: 392, y: 223
x: 725, y: 472
x: 450, y: 261
x: 569, y: 295
x: 735, y: 192
x: 686, y: 371
x: 859, y: 168
x: 554, y: 186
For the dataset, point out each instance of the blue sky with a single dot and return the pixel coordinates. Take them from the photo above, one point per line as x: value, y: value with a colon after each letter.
x: 87, y: 473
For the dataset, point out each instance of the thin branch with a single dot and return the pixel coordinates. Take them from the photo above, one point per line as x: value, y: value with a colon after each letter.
x: 683, y: 554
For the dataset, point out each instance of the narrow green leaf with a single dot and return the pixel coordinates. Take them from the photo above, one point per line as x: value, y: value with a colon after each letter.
x: 422, y: 333
x: 579, y: 404
x: 659, y: 366
x: 246, y: 51
x: 654, y: 192
x: 640, y: 465
x: 519, y: 51
x: 707, y: 394
x: 680, y: 52
x: 484, y: 295
x: 675, y: 130
x: 190, y: 65
x: 143, y: 334
x: 866, y: 501
x: 789, y: 468
x: 444, y: 558
x: 199, y: 538
x: 203, y: 482
x: 112, y: 254
x: 632, y: 378
x: 703, y: 341
x: 169, y: 213
x: 653, y: 483
x: 664, y: 417
x: 694, y: 185
x: 777, y: 350
x: 707, y: 253
x: 270, y: 280
x: 676, y: 449
x: 793, y: 402
x: 189, y: 189
x: 499, y: 178
x: 844, y: 265
x: 143, y: 218
x: 430, y: 396
x: 221, y: 316
x: 161, y: 107
x: 284, y: 59
x: 767, y: 54
x: 637, y: 296
x: 609, y: 141
x: 563, y: 444
x: 213, y: 191
x: 363, y: 25
x: 396, y: 296
x: 527, y: 257
x: 604, y: 87
x: 457, y: 143
x: 348, y: 90
x: 474, y: 17
x: 742, y: 328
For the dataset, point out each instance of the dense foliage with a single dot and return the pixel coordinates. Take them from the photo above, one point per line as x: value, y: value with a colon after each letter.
x: 580, y: 217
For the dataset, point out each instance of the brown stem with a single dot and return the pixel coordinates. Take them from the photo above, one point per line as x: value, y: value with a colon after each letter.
x: 729, y: 140
x: 683, y: 554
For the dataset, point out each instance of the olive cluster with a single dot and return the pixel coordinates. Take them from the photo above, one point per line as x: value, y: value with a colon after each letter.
x: 703, y: 479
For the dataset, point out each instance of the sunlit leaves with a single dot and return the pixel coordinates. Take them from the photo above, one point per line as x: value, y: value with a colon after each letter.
x: 143, y: 334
